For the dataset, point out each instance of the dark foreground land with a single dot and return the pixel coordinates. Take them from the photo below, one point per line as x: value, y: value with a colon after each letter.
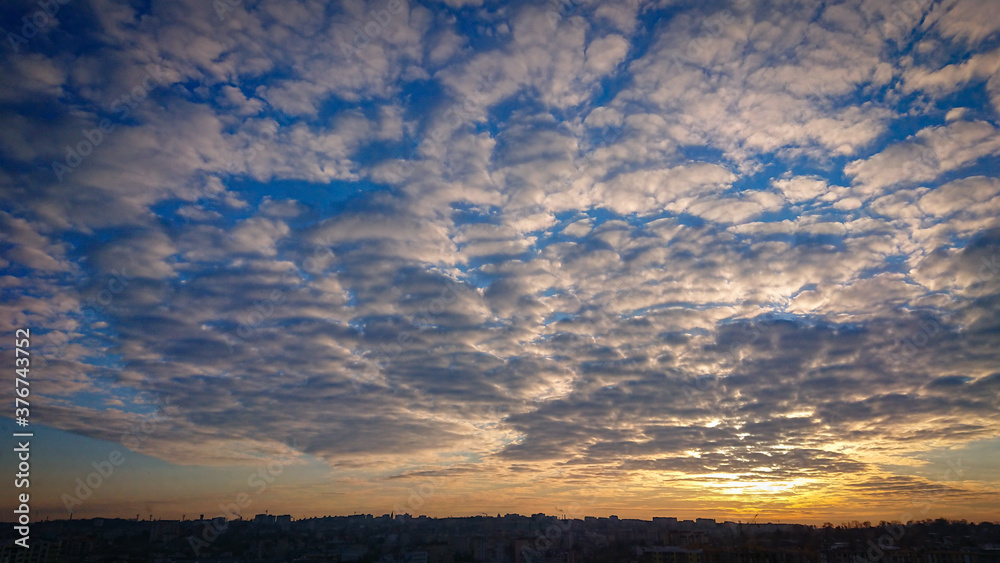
x: 507, y: 539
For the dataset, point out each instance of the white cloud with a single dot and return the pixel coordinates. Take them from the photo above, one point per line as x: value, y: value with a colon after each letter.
x: 801, y: 188
x: 981, y: 66
x: 31, y: 248
x: 604, y: 53
x: 650, y: 191
x: 578, y: 228
x: 955, y: 114
x: 925, y: 156
x: 258, y: 235
x: 969, y: 20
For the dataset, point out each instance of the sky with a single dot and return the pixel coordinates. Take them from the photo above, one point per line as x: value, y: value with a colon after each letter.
x: 645, y: 258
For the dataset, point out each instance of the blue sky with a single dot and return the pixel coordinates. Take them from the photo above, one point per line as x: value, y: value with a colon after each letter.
x: 704, y: 258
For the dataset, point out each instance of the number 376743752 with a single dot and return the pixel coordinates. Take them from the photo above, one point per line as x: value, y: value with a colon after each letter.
x: 22, y: 361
